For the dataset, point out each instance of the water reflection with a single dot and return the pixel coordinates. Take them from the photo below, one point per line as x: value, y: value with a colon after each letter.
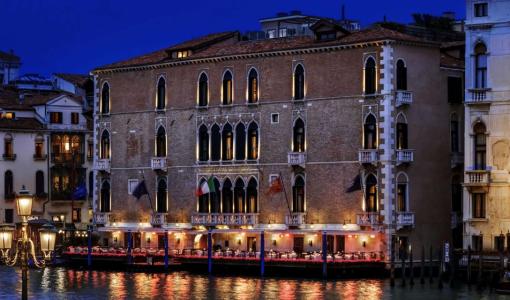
x: 59, y: 283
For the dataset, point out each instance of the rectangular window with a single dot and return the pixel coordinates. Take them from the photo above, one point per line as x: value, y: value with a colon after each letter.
x: 477, y: 242
x: 77, y: 215
x: 499, y: 243
x: 8, y: 151
x: 481, y: 10
x: 455, y: 90
x: 271, y: 34
x: 38, y: 149
x: 90, y: 151
x: 402, y: 197
x: 275, y: 118
x: 9, y: 215
x: 478, y: 208
x: 75, y: 118
x: 132, y: 183
x: 56, y: 117
x: 283, y: 32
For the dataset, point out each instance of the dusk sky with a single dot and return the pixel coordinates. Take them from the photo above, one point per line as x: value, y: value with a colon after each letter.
x: 54, y: 36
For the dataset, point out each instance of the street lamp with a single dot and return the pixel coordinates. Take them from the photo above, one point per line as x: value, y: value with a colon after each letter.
x: 47, y: 236
x: 5, y: 241
x: 24, y: 246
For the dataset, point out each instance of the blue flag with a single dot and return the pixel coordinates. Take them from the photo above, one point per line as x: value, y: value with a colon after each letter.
x: 80, y: 192
x: 140, y: 190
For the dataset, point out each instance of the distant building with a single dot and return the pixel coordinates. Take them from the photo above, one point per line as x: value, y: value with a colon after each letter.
x: 487, y: 135
x: 33, y: 82
x: 9, y: 67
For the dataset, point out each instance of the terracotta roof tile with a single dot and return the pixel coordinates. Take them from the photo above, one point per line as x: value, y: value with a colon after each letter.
x: 21, y: 123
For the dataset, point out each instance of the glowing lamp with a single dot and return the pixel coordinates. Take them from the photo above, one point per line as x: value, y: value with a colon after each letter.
x: 24, y: 203
x: 6, y: 237
x: 47, y: 234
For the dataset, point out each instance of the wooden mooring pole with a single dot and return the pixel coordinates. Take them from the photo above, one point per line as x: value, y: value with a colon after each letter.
x: 422, y: 270
x: 469, y: 265
x: 441, y: 266
x: 411, y: 268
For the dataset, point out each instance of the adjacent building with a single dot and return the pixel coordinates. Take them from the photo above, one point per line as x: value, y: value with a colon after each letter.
x: 355, y: 125
x: 487, y: 131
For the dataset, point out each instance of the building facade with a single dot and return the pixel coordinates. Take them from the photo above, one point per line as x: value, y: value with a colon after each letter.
x: 487, y: 103
x: 355, y: 126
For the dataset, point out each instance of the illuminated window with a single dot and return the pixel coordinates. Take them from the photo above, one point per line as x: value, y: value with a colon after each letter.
x: 253, y: 86
x: 75, y: 118
x: 8, y: 147
x: 371, y: 194
x: 105, y: 145
x: 252, y: 196
x: 239, y: 197
x: 56, y: 117
x: 227, y: 88
x: 253, y: 141
x: 298, y: 195
x: 299, y: 136
x: 227, y: 142
x: 401, y: 133
x: 271, y: 34
x: 9, y: 115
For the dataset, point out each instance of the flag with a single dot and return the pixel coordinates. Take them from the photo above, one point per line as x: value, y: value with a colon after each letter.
x: 355, y: 186
x: 276, y: 186
x: 80, y: 192
x: 140, y: 190
x: 206, y: 187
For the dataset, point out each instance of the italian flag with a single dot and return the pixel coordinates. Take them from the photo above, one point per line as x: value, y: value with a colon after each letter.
x: 206, y: 187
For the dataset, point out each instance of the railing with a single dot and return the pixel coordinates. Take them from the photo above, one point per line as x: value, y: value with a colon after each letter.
x: 404, y: 97
x: 368, y: 156
x: 158, y: 163
x: 158, y: 218
x: 102, y: 165
x: 477, y: 177
x: 405, y: 156
x: 404, y: 218
x: 478, y: 96
x: 295, y: 219
x: 9, y: 156
x: 224, y: 219
x: 368, y: 219
x: 296, y: 158
x: 101, y: 218
x: 59, y: 158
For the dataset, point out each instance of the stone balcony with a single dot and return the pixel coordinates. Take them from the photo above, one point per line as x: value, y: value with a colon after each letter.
x: 158, y: 163
x: 213, y: 219
x: 295, y: 219
x: 405, y: 156
x: 368, y: 156
x: 403, y: 98
x: 404, y: 218
x: 101, y: 218
x: 368, y: 219
x: 296, y: 158
x: 158, y: 219
x: 477, y: 178
x: 102, y: 165
x: 479, y: 96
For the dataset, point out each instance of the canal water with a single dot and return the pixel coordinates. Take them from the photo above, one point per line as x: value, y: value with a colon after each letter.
x: 61, y: 283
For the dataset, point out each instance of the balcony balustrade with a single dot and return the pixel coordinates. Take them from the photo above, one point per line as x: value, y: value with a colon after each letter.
x: 101, y: 218
x: 102, y: 165
x: 477, y: 96
x: 158, y: 218
x: 368, y: 156
x: 405, y: 156
x: 368, y: 219
x: 213, y: 219
x: 477, y: 178
x: 295, y: 219
x: 158, y: 163
x: 296, y: 158
x: 67, y: 158
x: 404, y: 98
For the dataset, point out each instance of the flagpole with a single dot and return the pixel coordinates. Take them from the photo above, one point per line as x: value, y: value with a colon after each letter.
x: 285, y: 193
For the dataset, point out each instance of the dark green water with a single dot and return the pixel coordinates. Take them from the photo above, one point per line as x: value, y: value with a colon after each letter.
x: 60, y: 283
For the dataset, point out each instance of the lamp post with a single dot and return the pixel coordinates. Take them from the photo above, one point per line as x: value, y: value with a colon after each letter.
x: 24, y: 246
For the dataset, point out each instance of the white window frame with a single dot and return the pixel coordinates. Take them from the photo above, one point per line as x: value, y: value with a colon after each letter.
x: 132, y: 183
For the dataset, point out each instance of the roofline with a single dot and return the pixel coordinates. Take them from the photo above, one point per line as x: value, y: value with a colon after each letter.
x: 298, y: 50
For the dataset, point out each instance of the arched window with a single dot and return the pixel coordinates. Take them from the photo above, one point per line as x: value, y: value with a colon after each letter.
x: 299, y: 136
x: 105, y: 145
x: 161, y: 142
x: 239, y: 197
x: 252, y: 196
x: 298, y: 195
x: 203, y: 200
x: 227, y: 204
x: 227, y: 88
x: 480, y: 66
x: 240, y: 142
x: 8, y: 185
x: 480, y: 146
x: 105, y: 197
x: 401, y: 133
x: 253, y: 86
x: 203, y: 144
x: 161, y: 95
x: 161, y: 196
x: 203, y: 90
x: 91, y: 183
x: 8, y: 148
x: 105, y: 99
x: 253, y: 141
x: 215, y: 197
x: 401, y: 75
x: 402, y: 193
x: 227, y: 142
x: 370, y: 132
x: 370, y: 76
x: 215, y: 143
x: 39, y: 183
x: 454, y: 133
x: 371, y: 194
x: 299, y: 82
